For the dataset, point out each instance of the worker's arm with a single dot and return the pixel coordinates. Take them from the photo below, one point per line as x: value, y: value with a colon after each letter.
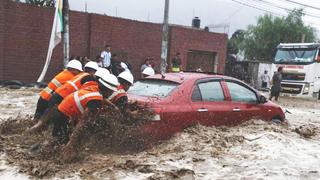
x: 123, y: 105
x: 87, y: 79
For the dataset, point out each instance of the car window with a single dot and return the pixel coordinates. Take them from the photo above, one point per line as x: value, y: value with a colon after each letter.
x: 241, y: 93
x: 208, y: 91
x: 152, y: 88
x: 196, y: 95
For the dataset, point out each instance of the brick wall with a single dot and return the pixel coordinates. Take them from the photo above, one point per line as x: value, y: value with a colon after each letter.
x: 183, y: 39
x: 2, y: 37
x: 25, y: 32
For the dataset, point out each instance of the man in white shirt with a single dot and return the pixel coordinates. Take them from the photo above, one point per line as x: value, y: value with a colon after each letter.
x: 265, y: 79
x: 106, y: 55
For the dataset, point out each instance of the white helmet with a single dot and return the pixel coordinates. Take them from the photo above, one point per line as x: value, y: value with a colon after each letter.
x: 102, y: 72
x: 92, y: 65
x: 124, y: 66
x: 126, y: 75
x: 109, y: 81
x: 148, y: 71
x: 75, y: 64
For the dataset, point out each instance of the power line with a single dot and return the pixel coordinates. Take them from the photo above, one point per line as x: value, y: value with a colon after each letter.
x: 267, y: 10
x: 284, y: 8
x: 302, y: 4
x: 234, y: 13
x: 261, y: 9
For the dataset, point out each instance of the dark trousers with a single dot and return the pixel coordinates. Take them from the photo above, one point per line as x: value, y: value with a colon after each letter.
x: 275, y: 92
x: 54, y: 100
x: 42, y: 105
x: 264, y: 84
x: 60, y: 130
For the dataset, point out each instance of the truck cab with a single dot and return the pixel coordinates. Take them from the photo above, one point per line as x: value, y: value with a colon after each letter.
x: 301, y: 68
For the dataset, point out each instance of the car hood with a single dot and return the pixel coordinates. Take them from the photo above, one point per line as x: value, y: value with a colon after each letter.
x: 270, y: 103
x: 143, y: 100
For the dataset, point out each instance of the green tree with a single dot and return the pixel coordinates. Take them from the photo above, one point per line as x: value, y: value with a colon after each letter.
x: 47, y: 3
x: 260, y: 41
x: 235, y: 41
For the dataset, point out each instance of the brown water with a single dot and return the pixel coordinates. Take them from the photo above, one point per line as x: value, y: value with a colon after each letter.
x: 254, y: 150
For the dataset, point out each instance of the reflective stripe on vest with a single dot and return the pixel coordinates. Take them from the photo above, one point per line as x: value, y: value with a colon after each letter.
x: 48, y: 90
x: 56, y: 82
x: 73, y: 83
x: 113, y: 95
x: 78, y: 99
x: 175, y: 69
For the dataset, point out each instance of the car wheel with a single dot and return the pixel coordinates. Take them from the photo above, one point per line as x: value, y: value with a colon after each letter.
x: 277, y: 120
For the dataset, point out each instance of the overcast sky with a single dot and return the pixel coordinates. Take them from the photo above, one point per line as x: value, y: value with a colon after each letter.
x: 211, y: 12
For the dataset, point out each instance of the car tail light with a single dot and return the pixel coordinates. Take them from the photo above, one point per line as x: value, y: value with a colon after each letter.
x: 157, y: 112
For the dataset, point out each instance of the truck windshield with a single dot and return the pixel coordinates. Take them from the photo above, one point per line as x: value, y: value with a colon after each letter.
x: 295, y: 56
x: 152, y: 88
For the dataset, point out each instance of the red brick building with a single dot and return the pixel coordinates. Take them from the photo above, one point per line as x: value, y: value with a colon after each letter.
x: 25, y: 32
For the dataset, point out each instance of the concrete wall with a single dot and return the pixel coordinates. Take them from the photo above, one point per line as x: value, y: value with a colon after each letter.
x: 25, y: 32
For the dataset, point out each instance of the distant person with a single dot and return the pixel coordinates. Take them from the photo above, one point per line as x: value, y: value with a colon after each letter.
x: 276, y: 84
x: 265, y: 79
x: 106, y: 55
x: 126, y: 67
x: 85, y: 60
x: 116, y: 68
x: 99, y: 61
x: 176, y: 63
x: 146, y: 64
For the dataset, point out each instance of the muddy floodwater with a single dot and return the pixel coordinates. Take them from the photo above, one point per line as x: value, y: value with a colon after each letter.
x: 253, y: 150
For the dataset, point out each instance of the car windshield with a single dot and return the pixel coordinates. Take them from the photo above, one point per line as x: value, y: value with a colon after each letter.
x: 295, y: 56
x: 152, y: 88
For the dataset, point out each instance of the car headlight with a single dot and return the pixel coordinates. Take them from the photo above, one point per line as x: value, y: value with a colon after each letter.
x: 306, y: 88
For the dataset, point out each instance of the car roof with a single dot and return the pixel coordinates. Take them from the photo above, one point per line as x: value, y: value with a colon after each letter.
x: 185, y: 76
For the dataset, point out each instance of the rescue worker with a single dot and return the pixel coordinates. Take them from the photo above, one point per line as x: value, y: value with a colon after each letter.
x: 176, y: 63
x: 119, y: 98
x: 79, y: 107
x: 74, y: 67
x: 148, y: 71
x: 79, y: 81
x: 82, y: 80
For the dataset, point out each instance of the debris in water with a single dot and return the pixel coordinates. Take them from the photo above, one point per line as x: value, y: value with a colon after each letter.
x: 306, y: 131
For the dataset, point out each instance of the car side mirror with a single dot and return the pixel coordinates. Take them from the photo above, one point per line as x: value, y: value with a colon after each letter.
x: 262, y: 99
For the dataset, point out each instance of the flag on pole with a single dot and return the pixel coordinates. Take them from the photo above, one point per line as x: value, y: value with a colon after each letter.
x: 55, y: 38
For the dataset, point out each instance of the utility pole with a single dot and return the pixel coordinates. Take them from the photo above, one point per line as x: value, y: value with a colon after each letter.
x: 66, y: 36
x: 165, y: 37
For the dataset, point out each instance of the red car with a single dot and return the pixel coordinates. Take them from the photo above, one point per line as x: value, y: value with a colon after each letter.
x: 180, y: 100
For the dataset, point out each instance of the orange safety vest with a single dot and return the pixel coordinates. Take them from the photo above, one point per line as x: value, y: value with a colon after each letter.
x: 117, y: 94
x: 76, y: 103
x: 89, y: 83
x: 71, y: 86
x: 55, y: 83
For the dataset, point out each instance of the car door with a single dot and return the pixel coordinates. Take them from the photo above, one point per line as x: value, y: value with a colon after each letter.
x: 244, y: 102
x: 209, y: 103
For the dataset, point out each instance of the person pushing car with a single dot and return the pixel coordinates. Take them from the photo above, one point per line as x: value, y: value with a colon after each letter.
x: 74, y: 67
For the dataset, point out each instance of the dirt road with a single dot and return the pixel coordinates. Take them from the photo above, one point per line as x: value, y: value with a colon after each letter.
x: 252, y: 150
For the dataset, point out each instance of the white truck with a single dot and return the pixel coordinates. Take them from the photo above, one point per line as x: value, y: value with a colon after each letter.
x: 301, y: 68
